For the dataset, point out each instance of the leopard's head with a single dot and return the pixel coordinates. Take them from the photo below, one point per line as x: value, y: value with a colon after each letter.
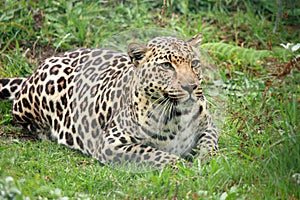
x: 167, y: 68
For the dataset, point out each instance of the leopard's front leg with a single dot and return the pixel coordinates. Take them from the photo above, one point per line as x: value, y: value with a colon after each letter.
x: 120, y: 147
x: 207, y: 143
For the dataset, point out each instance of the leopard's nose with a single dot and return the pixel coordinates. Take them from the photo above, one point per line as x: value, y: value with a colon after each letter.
x: 189, y: 87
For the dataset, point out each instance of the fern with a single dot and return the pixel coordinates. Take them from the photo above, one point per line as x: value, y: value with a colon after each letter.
x: 231, y: 52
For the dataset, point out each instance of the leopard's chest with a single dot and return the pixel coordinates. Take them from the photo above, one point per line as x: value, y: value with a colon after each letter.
x: 182, y: 143
x: 179, y: 136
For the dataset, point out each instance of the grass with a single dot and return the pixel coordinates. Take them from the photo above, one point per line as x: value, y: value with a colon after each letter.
x: 260, y: 140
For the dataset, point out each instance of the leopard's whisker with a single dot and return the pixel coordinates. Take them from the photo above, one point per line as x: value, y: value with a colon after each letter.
x: 156, y: 106
x: 163, y: 114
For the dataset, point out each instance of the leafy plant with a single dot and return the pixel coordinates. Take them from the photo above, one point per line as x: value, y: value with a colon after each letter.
x: 240, y: 55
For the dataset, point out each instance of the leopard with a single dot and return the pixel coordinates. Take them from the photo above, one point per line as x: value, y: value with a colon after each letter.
x: 145, y: 106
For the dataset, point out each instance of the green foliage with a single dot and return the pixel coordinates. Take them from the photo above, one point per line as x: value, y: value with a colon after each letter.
x: 257, y: 110
x: 238, y: 54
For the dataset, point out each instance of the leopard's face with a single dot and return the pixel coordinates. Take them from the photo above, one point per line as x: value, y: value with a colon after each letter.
x: 169, y: 70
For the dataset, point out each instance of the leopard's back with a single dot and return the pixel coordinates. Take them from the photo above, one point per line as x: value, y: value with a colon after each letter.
x: 74, y: 95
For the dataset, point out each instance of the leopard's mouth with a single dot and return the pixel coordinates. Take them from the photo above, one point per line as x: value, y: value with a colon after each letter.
x: 174, y: 97
x: 179, y: 96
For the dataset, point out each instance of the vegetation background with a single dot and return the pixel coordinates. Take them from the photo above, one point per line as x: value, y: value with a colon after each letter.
x: 259, y: 77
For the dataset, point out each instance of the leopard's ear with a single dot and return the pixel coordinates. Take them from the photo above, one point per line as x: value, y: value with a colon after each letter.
x: 136, y: 52
x: 195, y: 40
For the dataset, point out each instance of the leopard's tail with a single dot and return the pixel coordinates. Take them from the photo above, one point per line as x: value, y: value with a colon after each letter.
x: 10, y: 87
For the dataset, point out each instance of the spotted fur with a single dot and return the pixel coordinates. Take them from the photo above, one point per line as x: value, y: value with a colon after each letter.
x: 146, y: 106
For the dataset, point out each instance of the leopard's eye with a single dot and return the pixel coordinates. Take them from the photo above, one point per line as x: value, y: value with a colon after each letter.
x: 195, y: 64
x: 167, y: 66
x: 196, y: 67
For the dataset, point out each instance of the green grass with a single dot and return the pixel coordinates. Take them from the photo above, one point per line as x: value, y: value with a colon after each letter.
x: 258, y: 111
